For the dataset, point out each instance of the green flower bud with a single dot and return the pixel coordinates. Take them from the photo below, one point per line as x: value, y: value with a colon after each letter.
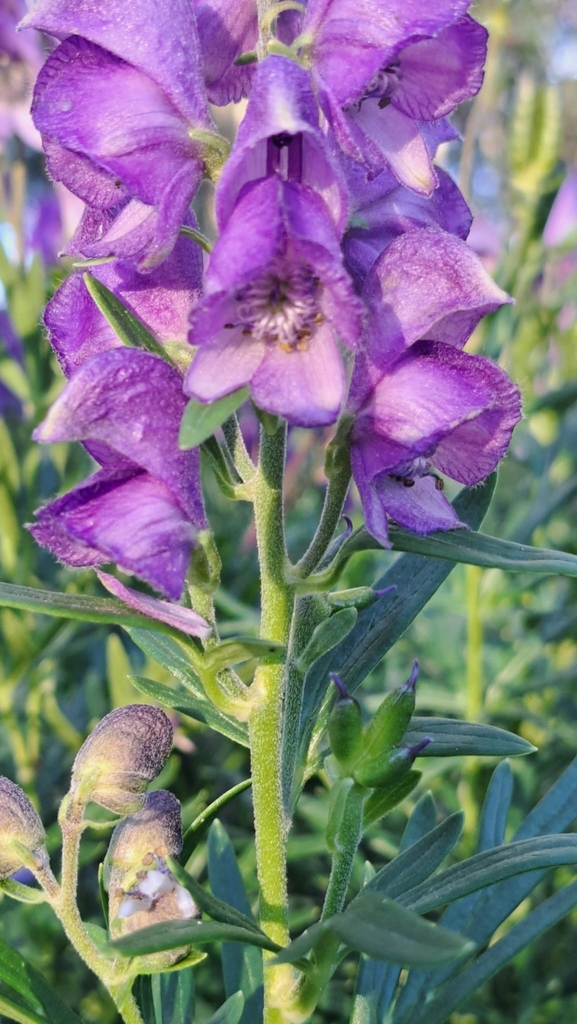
x: 358, y: 597
x: 345, y: 728
x: 22, y: 836
x: 122, y: 755
x: 390, y: 768
x: 390, y: 722
x: 142, y: 891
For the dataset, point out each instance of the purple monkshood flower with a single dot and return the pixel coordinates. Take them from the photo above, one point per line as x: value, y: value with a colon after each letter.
x: 420, y: 403
x: 143, y: 508
x: 435, y: 408
x: 162, y: 300
x: 117, y: 104
x: 383, y: 69
x: 280, y: 134
x: 382, y: 210
x: 275, y: 294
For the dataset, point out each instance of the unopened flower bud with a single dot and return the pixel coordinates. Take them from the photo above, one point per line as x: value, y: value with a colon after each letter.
x: 391, y: 720
x: 142, y: 891
x: 388, y: 770
x: 122, y: 755
x: 22, y: 836
x: 345, y: 727
x: 358, y: 597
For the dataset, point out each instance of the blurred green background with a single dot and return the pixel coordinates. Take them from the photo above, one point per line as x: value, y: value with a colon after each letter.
x: 492, y: 647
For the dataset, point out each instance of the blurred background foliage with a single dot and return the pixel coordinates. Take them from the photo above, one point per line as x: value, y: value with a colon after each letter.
x: 491, y: 647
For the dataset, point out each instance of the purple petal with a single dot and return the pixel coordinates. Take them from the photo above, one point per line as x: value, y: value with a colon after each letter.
x: 399, y: 145
x: 183, y: 619
x: 306, y: 387
x: 427, y: 284
x: 96, y: 105
x: 562, y: 220
x: 159, y: 38
x: 438, y: 74
x: 10, y: 341
x: 76, y: 328
x: 421, y: 508
x: 226, y: 28
x: 133, y: 522
x: 353, y: 39
x: 282, y: 105
x: 398, y: 210
x: 132, y: 401
x: 454, y: 410
x: 226, y: 362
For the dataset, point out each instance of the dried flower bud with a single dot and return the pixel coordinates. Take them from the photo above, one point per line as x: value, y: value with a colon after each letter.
x: 122, y: 755
x: 141, y: 889
x: 21, y: 831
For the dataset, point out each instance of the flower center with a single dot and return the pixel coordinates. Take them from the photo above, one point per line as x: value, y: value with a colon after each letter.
x: 382, y: 86
x: 281, y: 307
x: 414, y: 469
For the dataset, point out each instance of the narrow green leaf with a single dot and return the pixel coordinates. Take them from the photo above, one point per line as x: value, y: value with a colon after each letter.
x: 167, y: 998
x: 230, y: 1012
x: 200, y: 825
x: 491, y: 866
x: 381, y: 801
x: 388, y: 931
x: 242, y: 966
x: 420, y: 859
x: 23, y: 978
x: 12, y: 1011
x: 173, y: 934
x: 199, y: 708
x: 495, y: 808
x: 302, y: 945
x: 489, y: 552
x: 211, y: 905
x: 453, y: 738
x: 453, y: 993
x: 23, y: 893
x: 76, y: 606
x: 422, y: 820
x: 200, y: 420
x: 379, y: 626
x: 239, y: 649
x: 326, y: 636
x: 127, y: 326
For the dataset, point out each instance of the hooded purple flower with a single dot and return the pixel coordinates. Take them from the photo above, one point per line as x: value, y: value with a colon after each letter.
x: 162, y: 300
x: 143, y: 508
x: 280, y: 134
x: 420, y: 403
x: 382, y: 69
x: 383, y: 210
x: 275, y: 293
x: 117, y: 104
x: 435, y: 408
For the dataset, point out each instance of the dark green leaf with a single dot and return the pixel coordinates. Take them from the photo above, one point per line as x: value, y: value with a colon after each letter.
x: 495, y: 808
x: 453, y: 738
x: 452, y: 994
x: 167, y: 998
x: 301, y: 946
x: 13, y: 1011
x: 381, y: 801
x: 489, y: 552
x: 241, y: 965
x: 25, y: 980
x: 182, y: 933
x: 200, y: 420
x: 422, y: 820
x: 326, y: 636
x: 208, y: 903
x: 199, y: 826
x: 127, y: 326
x: 380, y: 625
x: 387, y: 931
x: 230, y: 1012
x: 491, y: 866
x: 419, y: 860
x: 76, y: 606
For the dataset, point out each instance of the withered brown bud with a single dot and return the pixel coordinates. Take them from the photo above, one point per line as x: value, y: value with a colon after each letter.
x: 21, y: 831
x: 141, y: 889
x: 122, y: 755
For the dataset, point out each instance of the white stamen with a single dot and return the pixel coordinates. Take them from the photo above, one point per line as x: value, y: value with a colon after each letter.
x: 282, y: 306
